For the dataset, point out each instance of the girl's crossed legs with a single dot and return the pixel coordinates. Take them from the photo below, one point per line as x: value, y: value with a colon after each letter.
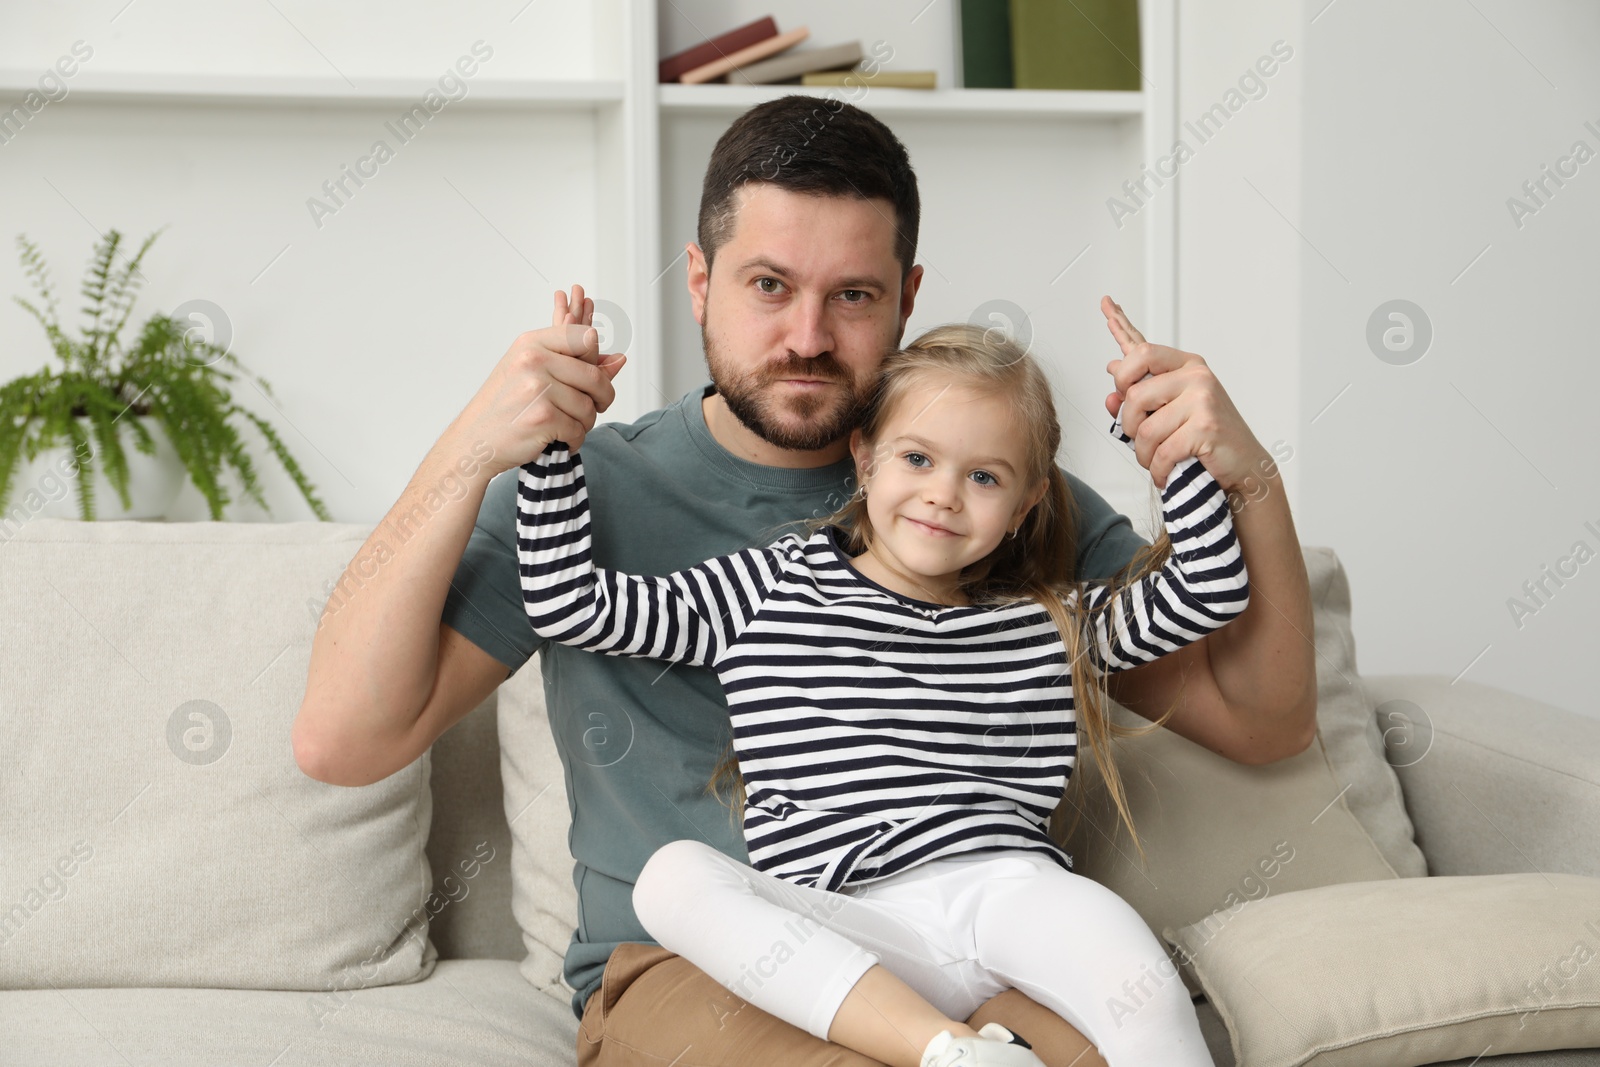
x: 957, y: 930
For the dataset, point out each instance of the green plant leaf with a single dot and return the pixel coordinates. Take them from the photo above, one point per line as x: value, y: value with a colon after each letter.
x: 317, y: 507
x: 125, y: 290
x: 80, y: 446
x: 95, y: 286
x: 33, y: 265
x: 104, y: 410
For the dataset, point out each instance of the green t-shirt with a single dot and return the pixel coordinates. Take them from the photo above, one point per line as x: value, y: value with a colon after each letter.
x: 638, y: 740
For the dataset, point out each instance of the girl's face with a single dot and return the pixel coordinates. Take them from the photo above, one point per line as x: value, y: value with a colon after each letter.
x: 944, y: 481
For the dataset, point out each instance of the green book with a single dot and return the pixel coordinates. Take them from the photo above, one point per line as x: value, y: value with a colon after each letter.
x: 986, y: 44
x: 1075, y: 44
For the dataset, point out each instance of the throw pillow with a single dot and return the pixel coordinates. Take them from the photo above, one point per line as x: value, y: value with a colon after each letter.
x: 1405, y: 971
x: 157, y: 829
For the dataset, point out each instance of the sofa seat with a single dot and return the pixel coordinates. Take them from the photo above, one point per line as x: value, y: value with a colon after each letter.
x: 467, y: 1012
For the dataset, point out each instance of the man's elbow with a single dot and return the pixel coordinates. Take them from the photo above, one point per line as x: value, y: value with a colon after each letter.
x: 309, y: 756
x: 318, y: 759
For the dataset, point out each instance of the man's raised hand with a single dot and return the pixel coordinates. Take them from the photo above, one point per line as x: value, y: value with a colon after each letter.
x: 1188, y: 411
x: 549, y: 386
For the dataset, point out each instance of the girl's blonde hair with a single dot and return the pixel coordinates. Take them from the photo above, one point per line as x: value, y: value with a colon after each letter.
x: 1038, y: 564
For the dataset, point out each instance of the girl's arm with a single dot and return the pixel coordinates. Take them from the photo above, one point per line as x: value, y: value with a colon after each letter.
x: 1200, y: 588
x: 688, y: 616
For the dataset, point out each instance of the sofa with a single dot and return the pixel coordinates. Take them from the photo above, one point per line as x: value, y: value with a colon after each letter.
x: 175, y: 892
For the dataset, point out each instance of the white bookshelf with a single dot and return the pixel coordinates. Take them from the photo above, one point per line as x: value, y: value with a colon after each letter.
x: 951, y: 103
x: 273, y: 90
x: 1012, y: 180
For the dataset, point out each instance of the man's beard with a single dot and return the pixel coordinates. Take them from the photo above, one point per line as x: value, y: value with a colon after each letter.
x: 801, y: 423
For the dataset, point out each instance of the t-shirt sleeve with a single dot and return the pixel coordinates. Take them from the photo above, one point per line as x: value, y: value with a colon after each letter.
x: 1200, y: 588
x: 1106, y: 538
x: 689, y: 616
x: 484, y: 604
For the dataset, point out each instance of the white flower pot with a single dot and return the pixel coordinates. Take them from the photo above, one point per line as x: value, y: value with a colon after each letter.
x: 49, y: 484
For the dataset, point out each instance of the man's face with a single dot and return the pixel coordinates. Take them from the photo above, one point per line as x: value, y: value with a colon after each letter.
x: 808, y: 301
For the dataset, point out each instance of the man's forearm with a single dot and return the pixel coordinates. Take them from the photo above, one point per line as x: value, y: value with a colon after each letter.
x: 376, y: 648
x: 1264, y: 661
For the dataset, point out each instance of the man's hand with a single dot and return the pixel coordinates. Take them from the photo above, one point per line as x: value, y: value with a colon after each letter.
x: 1188, y: 411
x: 549, y: 386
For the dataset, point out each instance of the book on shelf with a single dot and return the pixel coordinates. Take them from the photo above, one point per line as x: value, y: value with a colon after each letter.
x: 883, y: 79
x: 986, y: 44
x: 794, y: 64
x: 744, y: 56
x: 673, y: 67
x: 1085, y: 44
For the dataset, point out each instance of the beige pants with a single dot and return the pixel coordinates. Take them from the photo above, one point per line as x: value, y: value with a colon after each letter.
x: 655, y: 1008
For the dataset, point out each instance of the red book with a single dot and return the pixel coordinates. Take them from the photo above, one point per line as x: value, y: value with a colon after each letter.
x: 744, y: 57
x: 673, y: 67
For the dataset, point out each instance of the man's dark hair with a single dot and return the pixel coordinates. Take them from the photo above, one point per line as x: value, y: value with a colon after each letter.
x: 815, y: 145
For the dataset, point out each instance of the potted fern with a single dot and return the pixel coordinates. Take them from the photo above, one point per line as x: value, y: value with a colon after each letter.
x: 169, y: 381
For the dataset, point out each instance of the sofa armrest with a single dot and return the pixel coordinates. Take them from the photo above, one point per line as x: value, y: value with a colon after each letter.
x: 1494, y: 782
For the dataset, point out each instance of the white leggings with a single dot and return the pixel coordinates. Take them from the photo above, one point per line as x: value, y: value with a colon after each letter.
x: 958, y: 930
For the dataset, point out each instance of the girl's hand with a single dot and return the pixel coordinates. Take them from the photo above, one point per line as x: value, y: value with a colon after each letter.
x: 1188, y: 411
x: 578, y: 310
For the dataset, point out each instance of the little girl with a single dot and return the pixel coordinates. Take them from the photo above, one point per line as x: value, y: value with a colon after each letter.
x: 901, y: 682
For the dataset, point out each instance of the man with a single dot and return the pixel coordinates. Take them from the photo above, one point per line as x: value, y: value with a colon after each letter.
x: 802, y: 280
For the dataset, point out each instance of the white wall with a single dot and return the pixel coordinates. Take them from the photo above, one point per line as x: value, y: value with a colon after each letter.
x: 1238, y: 261
x: 1376, y: 167
x: 1447, y: 483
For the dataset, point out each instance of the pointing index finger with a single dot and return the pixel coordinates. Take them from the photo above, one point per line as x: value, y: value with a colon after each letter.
x: 1122, y: 329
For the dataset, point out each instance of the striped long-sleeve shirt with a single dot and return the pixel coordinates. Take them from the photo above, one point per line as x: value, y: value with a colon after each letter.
x: 873, y: 731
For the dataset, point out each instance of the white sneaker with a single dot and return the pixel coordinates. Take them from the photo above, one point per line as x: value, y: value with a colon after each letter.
x: 994, y: 1047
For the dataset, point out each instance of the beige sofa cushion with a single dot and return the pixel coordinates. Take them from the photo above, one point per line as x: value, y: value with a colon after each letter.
x: 469, y: 845
x: 467, y: 1013
x: 1217, y: 833
x: 157, y: 830
x: 1348, y: 724
x: 1405, y: 971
